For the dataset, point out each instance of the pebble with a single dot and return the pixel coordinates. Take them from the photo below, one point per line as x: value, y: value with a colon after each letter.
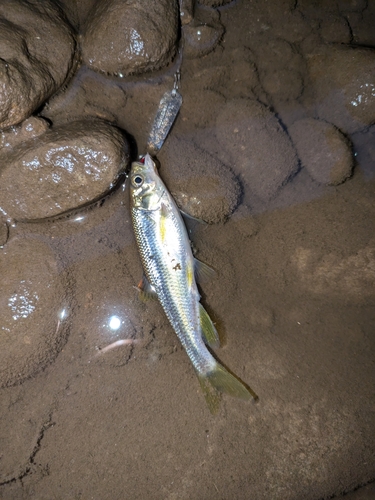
x: 186, y: 11
x: 335, y: 29
x: 203, y: 34
x: 33, y: 307
x: 89, y: 95
x: 323, y: 150
x: 202, y: 186
x: 283, y: 85
x: 260, y: 150
x: 4, y: 232
x: 37, y: 49
x: 200, y: 109
x: 364, y: 151
x: 281, y: 68
x: 122, y: 38
x: 343, y: 81
x: 66, y: 167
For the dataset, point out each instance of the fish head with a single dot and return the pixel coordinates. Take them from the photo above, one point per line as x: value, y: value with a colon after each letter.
x: 146, y: 187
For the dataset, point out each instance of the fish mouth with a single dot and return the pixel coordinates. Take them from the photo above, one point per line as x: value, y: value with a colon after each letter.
x: 145, y: 163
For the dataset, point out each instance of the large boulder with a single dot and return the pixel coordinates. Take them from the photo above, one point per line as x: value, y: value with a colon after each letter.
x: 37, y: 48
x: 202, y: 186
x: 34, y: 308
x: 121, y: 38
x: 323, y: 150
x: 342, y: 81
x: 259, y: 148
x: 58, y: 170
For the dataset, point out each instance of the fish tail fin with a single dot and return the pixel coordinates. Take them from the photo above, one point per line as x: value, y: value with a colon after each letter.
x: 219, y: 380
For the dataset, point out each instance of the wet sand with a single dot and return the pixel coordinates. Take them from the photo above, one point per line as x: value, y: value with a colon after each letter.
x: 293, y: 300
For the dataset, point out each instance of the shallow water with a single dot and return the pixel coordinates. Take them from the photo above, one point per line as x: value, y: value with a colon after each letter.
x: 293, y: 300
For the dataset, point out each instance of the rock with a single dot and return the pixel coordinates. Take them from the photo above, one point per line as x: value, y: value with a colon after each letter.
x: 200, y: 108
x: 92, y: 97
x: 4, y: 232
x: 343, y: 81
x: 261, y: 151
x: 246, y: 86
x: 364, y: 151
x: 186, y: 11
x: 203, y: 34
x: 239, y: 79
x: 202, y: 186
x: 276, y: 53
x: 323, y: 150
x: 214, y: 3
x: 361, y: 26
x: 316, y: 9
x: 283, y: 85
x: 203, y: 77
x: 295, y: 25
x: 335, y: 29
x: 29, y: 129
x: 281, y: 68
x: 122, y: 38
x: 352, y: 5
x: 64, y: 168
x: 33, y: 305
x: 241, y: 225
x: 37, y: 48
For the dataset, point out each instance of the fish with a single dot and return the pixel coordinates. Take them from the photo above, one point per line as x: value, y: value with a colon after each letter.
x: 170, y: 275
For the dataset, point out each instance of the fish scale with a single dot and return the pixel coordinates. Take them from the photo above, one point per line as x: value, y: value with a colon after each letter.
x: 179, y: 303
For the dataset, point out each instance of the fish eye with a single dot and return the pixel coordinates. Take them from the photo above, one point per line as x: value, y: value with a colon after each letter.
x: 137, y: 181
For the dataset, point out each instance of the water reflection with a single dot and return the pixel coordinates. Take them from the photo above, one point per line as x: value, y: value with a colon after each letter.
x: 63, y: 314
x: 23, y: 302
x: 136, y: 43
x: 367, y: 93
x: 114, y: 322
x: 79, y: 218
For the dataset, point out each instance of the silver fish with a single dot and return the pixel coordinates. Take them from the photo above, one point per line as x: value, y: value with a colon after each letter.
x: 170, y: 270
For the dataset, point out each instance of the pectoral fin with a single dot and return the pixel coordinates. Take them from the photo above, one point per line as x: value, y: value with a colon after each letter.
x: 209, y: 332
x: 146, y: 290
x: 203, y: 271
x: 188, y: 216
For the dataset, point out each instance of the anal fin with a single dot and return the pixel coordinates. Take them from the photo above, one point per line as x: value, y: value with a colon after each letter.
x: 209, y: 332
x: 223, y: 381
x: 219, y: 380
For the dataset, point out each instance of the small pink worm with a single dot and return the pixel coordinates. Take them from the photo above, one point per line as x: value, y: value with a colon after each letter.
x: 117, y: 344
